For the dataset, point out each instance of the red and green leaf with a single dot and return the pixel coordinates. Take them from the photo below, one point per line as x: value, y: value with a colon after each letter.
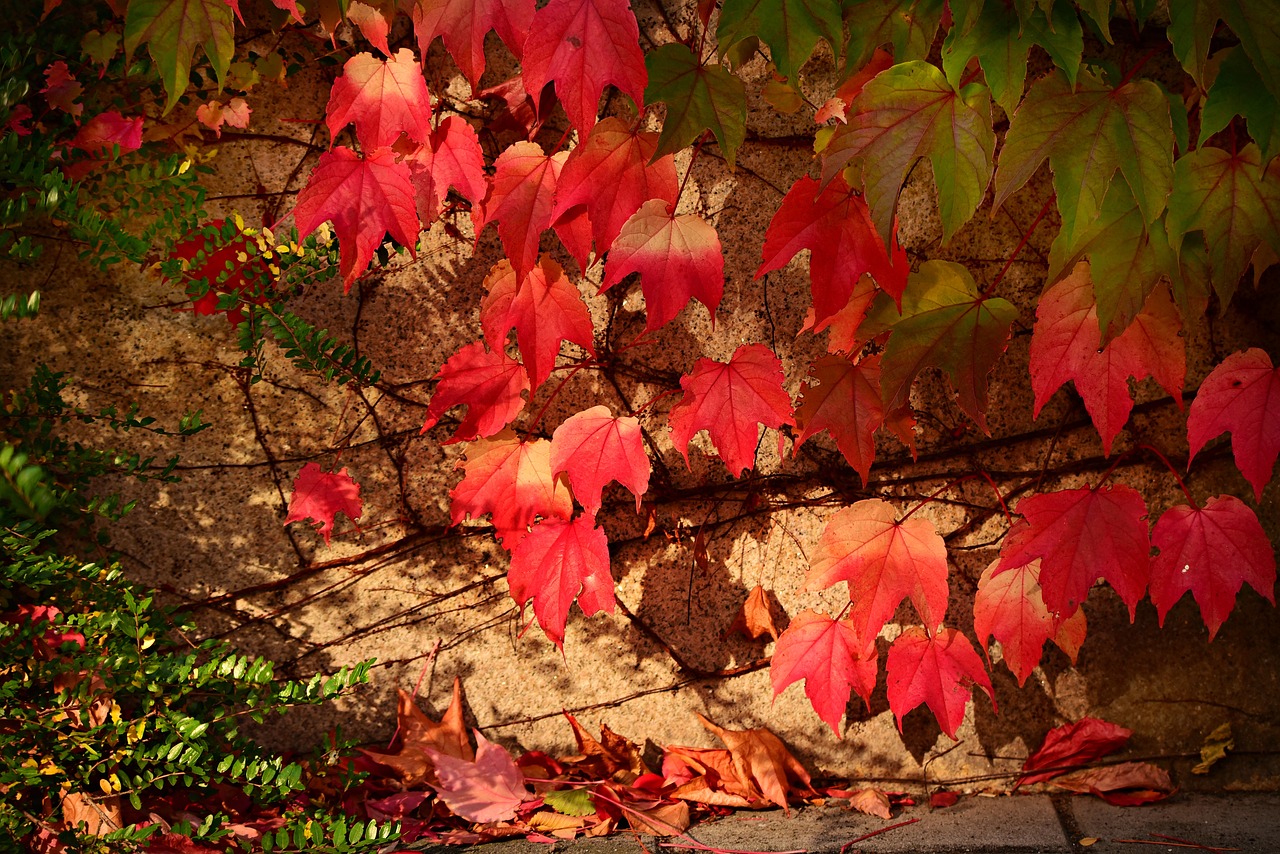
x: 699, y: 97
x: 173, y: 30
x: 791, y: 29
x: 843, y: 398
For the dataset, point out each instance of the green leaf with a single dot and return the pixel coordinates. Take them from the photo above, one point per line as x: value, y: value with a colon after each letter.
x: 1087, y: 134
x: 909, y: 25
x: 1001, y: 43
x: 945, y: 323
x: 1234, y: 201
x: 1100, y: 12
x: 570, y: 801
x: 1238, y: 90
x: 698, y: 97
x: 907, y: 112
x: 1192, y: 24
x: 791, y: 28
x: 173, y: 29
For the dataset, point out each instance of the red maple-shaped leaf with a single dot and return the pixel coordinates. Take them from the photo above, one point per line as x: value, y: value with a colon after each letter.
x: 1210, y: 551
x: 560, y: 561
x: 1080, y: 536
x: 611, y: 174
x: 382, y: 98
x: 524, y: 187
x: 487, y: 382
x: 1080, y: 743
x: 462, y: 25
x: 594, y: 448
x: 512, y: 480
x: 489, y: 789
x: 543, y: 307
x: 729, y: 400
x: 584, y: 45
x: 1066, y: 345
x: 1241, y: 395
x: 99, y: 134
x: 831, y: 660
x: 835, y: 225
x: 450, y: 157
x: 843, y: 327
x: 366, y: 198
x: 678, y: 259
x: 935, y: 670
x: 843, y: 398
x: 884, y: 561
x: 321, y: 495
x: 1011, y: 607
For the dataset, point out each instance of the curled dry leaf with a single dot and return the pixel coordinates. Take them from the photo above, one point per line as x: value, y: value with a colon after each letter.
x: 1073, y: 744
x: 761, y: 759
x: 1124, y: 785
x: 870, y: 801
x: 755, y: 619
x: 418, y: 734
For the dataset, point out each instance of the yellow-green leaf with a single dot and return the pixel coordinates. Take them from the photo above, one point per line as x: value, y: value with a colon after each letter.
x: 699, y: 97
x: 173, y: 30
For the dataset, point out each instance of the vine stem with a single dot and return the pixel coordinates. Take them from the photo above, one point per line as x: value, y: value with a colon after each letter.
x: 954, y: 484
x: 697, y: 149
x: 1021, y: 245
x: 1174, y: 471
x: 578, y: 367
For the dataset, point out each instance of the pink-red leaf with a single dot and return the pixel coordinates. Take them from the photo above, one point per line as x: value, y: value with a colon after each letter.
x: 489, y: 789
x: 678, y: 259
x: 1080, y: 536
x: 843, y: 398
x: 488, y: 383
x: 450, y: 157
x: 831, y: 660
x: 935, y: 670
x: 584, y: 45
x: 320, y: 496
x: 524, y: 187
x: 594, y: 448
x: 462, y: 25
x: 611, y: 174
x: 883, y: 561
x: 1073, y: 744
x: 543, y: 307
x: 513, y: 481
x: 1210, y: 551
x: 729, y: 400
x: 1241, y: 395
x: 366, y: 198
x: 383, y: 98
x: 834, y: 224
x: 100, y: 133
x: 1128, y: 784
x: 559, y: 561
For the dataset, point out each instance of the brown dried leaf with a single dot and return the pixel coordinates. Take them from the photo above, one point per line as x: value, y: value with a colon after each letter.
x: 99, y: 815
x: 663, y: 820
x: 761, y: 758
x: 1126, y: 784
x: 870, y: 801
x: 613, y: 755
x: 755, y: 620
x: 418, y: 733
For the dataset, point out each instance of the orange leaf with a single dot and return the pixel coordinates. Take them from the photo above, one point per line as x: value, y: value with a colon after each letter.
x: 760, y: 757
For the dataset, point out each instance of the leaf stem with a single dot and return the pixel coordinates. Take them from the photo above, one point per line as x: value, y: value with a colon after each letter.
x: 844, y: 848
x: 938, y: 492
x: 1021, y: 245
x: 584, y: 363
x: 1174, y: 471
x: 1129, y: 75
x: 697, y: 149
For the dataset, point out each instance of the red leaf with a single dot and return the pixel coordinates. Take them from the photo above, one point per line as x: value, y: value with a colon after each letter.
x: 214, y: 261
x: 884, y: 561
x: 366, y: 198
x: 831, y: 660
x: 611, y: 174
x: 584, y: 45
x: 100, y: 133
x: 488, y: 383
x: 844, y: 324
x: 373, y: 24
x: 513, y: 481
x: 320, y: 496
x: 1211, y: 552
x: 935, y: 671
x: 450, y: 157
x: 1241, y: 395
x: 678, y: 259
x: 559, y: 561
x: 834, y: 223
x: 489, y: 789
x: 1011, y: 607
x: 519, y: 112
x: 1066, y: 345
x: 383, y: 98
x: 524, y: 187
x: 61, y: 89
x: 543, y: 307
x: 596, y: 448
x: 462, y: 25
x: 1073, y: 744
x: 1082, y: 535
x: 843, y: 398
x: 729, y: 400
x: 1128, y: 784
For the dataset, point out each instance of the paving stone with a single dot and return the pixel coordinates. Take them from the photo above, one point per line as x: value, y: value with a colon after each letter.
x: 1244, y: 822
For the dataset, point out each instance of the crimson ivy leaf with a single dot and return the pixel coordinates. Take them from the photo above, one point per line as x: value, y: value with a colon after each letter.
x: 1080, y: 536
x: 908, y: 25
x: 383, y: 98
x: 831, y: 660
x: 699, y: 97
x: 907, y: 112
x: 944, y: 323
x: 834, y: 224
x: 594, y: 448
x: 584, y: 45
x: 730, y: 400
x: 1087, y: 132
x: 884, y: 561
x: 320, y: 496
x: 450, y: 157
x: 678, y: 259
x: 366, y: 198
x: 512, y: 480
x: 791, y: 28
x: 1211, y: 551
x: 843, y: 398
x: 462, y: 25
x: 557, y: 562
x: 173, y: 31
x: 1241, y: 395
x: 489, y: 384
x: 524, y: 186
x: 935, y: 670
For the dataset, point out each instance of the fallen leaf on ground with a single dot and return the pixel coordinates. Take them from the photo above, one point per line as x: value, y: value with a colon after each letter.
x: 488, y: 789
x: 870, y: 801
x: 761, y: 758
x: 943, y: 799
x: 1073, y: 744
x: 1215, y: 747
x: 418, y: 734
x: 1124, y: 785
